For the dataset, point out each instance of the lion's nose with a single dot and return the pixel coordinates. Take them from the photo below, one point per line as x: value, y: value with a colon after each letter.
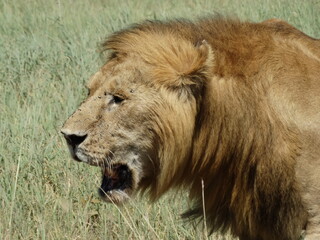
x: 74, y: 139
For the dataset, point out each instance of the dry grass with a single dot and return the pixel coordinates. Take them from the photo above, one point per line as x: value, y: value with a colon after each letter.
x: 47, y: 52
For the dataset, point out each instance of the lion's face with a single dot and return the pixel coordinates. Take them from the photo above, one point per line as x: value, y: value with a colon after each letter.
x: 123, y: 124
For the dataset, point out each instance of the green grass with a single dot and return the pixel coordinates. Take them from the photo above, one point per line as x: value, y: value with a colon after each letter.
x: 47, y: 53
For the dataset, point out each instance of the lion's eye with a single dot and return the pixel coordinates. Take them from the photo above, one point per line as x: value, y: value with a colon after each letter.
x: 117, y: 99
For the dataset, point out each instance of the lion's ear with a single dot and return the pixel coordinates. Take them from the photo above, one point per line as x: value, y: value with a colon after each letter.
x: 184, y: 64
x: 203, y: 67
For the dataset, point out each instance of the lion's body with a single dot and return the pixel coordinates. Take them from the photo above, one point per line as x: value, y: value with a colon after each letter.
x: 239, y: 112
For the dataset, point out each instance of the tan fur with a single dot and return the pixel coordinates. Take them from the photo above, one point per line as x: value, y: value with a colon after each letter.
x: 233, y: 104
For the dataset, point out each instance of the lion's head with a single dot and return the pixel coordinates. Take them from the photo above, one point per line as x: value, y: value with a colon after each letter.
x: 138, y: 120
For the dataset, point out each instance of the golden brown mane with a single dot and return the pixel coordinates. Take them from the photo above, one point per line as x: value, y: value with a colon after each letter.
x: 246, y: 140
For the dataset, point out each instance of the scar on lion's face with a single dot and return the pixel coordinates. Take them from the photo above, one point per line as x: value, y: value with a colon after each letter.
x: 104, y: 130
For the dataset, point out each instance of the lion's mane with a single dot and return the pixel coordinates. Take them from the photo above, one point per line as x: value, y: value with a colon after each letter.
x: 241, y: 149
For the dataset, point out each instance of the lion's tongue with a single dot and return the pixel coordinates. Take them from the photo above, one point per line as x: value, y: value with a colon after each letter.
x: 118, y: 178
x: 109, y: 183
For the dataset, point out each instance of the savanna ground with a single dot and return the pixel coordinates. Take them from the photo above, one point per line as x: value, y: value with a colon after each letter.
x: 48, y: 49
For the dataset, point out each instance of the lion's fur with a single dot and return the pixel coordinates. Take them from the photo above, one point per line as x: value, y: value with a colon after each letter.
x: 243, y: 122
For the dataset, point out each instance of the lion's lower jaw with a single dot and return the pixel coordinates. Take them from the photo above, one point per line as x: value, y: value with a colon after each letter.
x: 115, y: 196
x: 93, y: 161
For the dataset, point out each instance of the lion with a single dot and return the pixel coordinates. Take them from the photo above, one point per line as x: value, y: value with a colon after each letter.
x: 225, y: 109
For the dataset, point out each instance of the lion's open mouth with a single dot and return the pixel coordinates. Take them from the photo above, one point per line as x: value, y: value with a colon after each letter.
x: 116, y: 183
